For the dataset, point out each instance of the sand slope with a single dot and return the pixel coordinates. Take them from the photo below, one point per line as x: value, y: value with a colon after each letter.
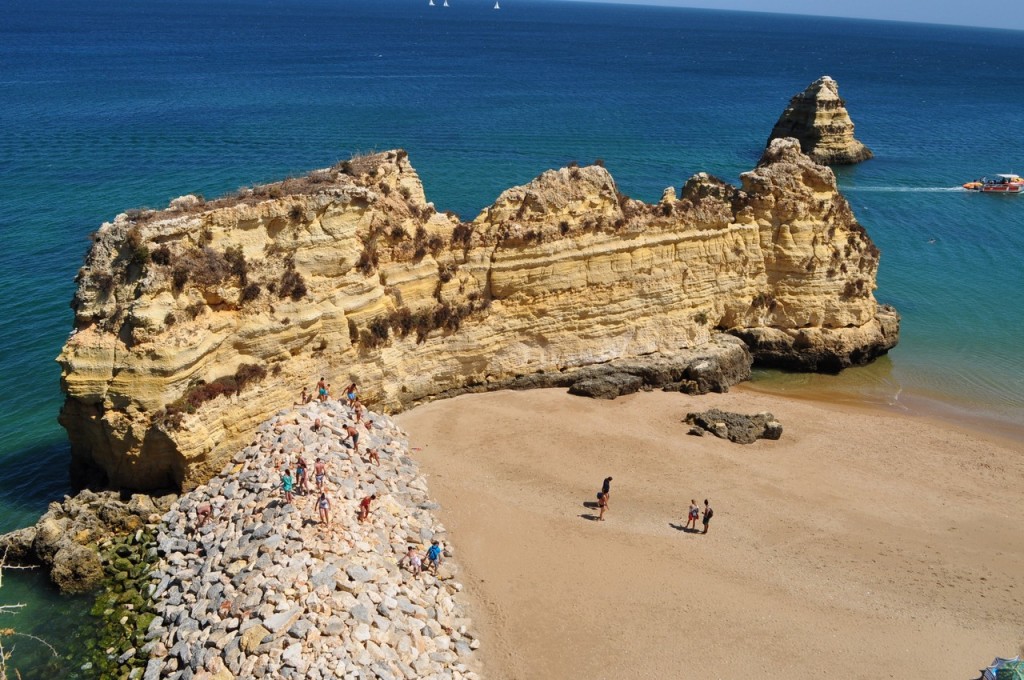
x: 870, y: 543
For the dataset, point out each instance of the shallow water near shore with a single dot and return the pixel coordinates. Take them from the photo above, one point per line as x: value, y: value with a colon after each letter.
x: 109, y: 107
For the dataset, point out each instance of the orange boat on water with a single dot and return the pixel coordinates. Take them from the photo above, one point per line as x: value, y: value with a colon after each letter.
x: 999, y: 184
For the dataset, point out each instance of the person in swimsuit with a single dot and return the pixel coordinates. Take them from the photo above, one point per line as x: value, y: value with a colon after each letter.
x: 323, y: 505
x: 602, y: 505
x: 203, y: 512
x: 708, y: 514
x: 319, y: 470
x: 321, y: 389
x: 359, y: 411
x: 301, y: 483
x: 316, y: 426
x: 351, y: 394
x: 374, y: 457
x: 303, y: 398
x: 413, y: 559
x: 352, y: 432
x: 694, y: 513
x: 364, y: 507
x: 606, y: 487
x: 286, y: 485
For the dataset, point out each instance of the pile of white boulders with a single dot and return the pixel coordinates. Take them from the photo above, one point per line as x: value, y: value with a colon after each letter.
x: 264, y: 590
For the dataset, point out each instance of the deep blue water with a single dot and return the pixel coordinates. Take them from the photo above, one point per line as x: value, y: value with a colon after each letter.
x: 112, y: 105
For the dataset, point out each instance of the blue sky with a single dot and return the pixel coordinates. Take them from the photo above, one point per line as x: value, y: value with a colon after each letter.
x: 991, y: 13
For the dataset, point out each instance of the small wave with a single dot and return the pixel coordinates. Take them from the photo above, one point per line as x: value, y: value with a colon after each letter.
x: 901, y: 189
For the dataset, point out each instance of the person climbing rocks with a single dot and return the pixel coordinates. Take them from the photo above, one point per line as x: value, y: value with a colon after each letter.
x: 351, y: 394
x: 286, y: 485
x: 364, y: 507
x: 301, y: 483
x: 374, y: 456
x: 353, y: 433
x: 323, y: 505
x: 413, y: 560
x: 434, y: 556
x: 321, y: 389
x: 203, y: 513
x: 319, y: 472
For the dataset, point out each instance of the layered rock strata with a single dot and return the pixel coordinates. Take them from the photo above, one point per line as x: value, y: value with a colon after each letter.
x: 818, y: 118
x: 263, y: 590
x: 192, y: 324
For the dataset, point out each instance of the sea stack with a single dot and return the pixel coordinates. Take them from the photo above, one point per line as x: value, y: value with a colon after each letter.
x: 194, y: 323
x: 817, y: 117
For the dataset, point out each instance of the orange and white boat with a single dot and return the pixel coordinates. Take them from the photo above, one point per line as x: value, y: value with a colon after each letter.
x: 998, y: 184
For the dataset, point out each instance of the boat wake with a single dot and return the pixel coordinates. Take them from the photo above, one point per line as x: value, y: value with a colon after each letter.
x: 900, y: 189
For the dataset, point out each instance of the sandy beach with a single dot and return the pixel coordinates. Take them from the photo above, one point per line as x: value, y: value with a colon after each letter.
x: 860, y: 545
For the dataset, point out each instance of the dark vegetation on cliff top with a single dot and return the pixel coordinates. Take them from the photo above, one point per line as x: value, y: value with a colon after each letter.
x: 201, y: 392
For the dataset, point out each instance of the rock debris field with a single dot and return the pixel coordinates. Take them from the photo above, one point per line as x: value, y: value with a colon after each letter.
x: 264, y: 590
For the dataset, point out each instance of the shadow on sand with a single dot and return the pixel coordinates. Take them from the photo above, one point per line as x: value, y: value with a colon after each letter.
x: 685, y: 529
x: 592, y: 518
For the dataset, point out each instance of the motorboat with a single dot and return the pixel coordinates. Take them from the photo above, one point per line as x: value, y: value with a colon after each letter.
x: 1011, y: 183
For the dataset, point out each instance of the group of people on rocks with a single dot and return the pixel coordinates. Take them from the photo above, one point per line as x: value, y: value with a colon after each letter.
x: 414, y: 561
x: 350, y: 433
x: 692, y: 515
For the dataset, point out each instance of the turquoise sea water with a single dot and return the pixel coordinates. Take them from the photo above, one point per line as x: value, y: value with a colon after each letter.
x: 108, y: 106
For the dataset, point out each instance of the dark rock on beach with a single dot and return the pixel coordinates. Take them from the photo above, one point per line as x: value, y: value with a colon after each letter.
x: 735, y: 427
x: 715, y: 369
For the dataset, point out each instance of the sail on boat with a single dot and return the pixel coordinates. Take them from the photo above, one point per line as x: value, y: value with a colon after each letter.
x: 431, y: 3
x: 445, y: 3
x: 496, y: 5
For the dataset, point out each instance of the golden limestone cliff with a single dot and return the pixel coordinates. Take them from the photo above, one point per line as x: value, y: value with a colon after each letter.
x: 194, y: 324
x: 819, y: 119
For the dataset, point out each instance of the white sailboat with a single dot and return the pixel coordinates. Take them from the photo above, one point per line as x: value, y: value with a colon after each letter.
x: 445, y: 3
x: 496, y: 5
x: 431, y: 3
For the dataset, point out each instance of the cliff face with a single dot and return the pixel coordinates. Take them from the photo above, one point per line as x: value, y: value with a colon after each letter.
x: 817, y: 117
x: 194, y: 323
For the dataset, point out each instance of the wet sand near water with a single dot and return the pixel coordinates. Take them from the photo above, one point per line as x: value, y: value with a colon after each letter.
x: 882, y: 545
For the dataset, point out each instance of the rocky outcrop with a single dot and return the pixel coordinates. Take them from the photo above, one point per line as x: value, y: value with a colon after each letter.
x: 263, y: 589
x: 66, y: 539
x: 817, y: 117
x: 192, y: 324
x: 736, y: 427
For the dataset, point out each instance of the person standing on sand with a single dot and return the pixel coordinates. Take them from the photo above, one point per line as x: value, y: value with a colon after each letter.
x: 693, y: 515
x: 708, y: 514
x: 323, y: 505
x: 606, y: 488
x: 602, y: 505
x: 364, y: 507
x: 286, y: 485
